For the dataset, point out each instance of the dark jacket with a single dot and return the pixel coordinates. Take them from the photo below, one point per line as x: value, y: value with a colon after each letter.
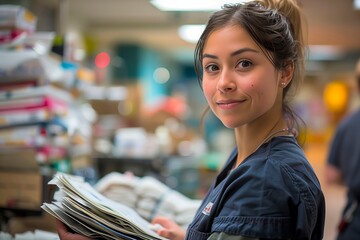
x: 273, y: 194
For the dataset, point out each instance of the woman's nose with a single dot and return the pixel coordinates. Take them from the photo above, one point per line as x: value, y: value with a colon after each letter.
x: 226, y: 82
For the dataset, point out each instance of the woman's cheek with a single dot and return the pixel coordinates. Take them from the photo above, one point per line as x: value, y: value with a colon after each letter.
x: 208, y: 91
x: 254, y: 86
x: 249, y: 87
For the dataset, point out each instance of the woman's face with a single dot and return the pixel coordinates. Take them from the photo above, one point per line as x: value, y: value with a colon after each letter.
x: 239, y: 82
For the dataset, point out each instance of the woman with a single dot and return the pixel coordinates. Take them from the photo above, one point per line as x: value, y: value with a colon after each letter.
x: 248, y: 59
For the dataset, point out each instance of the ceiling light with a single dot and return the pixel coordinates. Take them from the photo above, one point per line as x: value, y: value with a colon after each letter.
x: 356, y: 4
x: 191, y: 33
x: 191, y: 5
x: 325, y: 52
x: 161, y: 75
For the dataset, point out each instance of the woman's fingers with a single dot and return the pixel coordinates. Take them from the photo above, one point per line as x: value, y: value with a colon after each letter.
x: 64, y: 233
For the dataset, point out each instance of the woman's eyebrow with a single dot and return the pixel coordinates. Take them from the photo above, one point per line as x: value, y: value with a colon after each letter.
x: 209, y: 56
x: 237, y: 52
x: 242, y: 50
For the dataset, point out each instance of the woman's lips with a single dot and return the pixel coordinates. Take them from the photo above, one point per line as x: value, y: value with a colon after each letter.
x: 228, y: 104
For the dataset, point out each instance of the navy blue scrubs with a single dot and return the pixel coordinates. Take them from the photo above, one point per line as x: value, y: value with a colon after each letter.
x: 273, y: 194
x: 344, y: 154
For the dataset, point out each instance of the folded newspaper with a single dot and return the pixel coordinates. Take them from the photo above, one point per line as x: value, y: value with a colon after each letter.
x: 83, y: 209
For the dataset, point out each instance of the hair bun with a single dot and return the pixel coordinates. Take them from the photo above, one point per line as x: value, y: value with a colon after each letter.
x: 291, y: 10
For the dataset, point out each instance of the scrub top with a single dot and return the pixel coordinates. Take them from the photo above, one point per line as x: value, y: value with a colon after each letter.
x: 344, y: 154
x: 272, y: 194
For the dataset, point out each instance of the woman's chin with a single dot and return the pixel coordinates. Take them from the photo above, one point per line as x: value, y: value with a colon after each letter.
x: 230, y: 124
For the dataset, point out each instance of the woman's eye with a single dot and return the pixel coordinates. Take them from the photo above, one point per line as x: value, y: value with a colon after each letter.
x: 211, y: 68
x: 244, y: 64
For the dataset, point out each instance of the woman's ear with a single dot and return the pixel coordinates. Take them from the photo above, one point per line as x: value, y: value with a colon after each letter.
x: 286, y: 74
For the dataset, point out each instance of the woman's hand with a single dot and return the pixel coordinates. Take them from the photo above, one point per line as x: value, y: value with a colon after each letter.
x: 64, y: 233
x: 169, y: 229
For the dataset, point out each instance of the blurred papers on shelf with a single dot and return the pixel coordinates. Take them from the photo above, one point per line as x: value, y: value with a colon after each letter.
x: 25, y: 67
x: 16, y: 23
x: 33, y: 139
x: 135, y: 142
x: 149, y: 197
x: 27, y: 52
x: 40, y: 42
x: 33, y: 105
x: 48, y: 121
x: 83, y: 209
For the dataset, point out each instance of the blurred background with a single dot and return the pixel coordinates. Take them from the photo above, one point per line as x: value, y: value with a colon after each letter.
x: 91, y: 87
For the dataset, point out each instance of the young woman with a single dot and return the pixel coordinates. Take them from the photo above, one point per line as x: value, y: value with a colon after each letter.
x: 248, y: 59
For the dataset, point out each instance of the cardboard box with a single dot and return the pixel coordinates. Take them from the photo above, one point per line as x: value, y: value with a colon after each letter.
x: 22, y: 186
x: 18, y: 159
x: 45, y: 222
x: 21, y: 190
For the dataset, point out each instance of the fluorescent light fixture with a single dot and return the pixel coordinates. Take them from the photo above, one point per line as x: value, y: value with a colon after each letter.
x: 191, y: 33
x: 325, y: 52
x: 191, y: 5
x: 356, y: 4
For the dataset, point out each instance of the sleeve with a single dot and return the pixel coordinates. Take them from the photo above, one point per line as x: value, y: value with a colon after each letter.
x: 334, y: 156
x: 308, y: 202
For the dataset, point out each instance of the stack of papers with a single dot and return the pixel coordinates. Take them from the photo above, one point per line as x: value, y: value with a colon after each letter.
x: 87, y: 212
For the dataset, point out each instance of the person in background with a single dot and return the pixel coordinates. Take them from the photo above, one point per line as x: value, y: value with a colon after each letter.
x: 343, y: 166
x: 248, y: 59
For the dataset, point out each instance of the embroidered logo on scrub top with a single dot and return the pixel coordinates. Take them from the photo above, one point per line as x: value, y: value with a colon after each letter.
x: 207, y: 209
